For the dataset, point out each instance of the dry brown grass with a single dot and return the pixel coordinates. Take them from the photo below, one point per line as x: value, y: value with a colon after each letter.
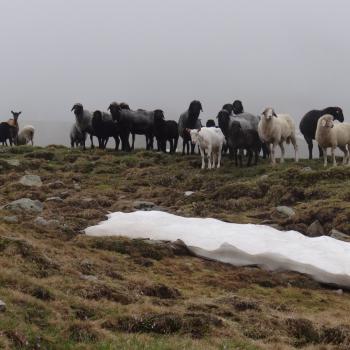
x: 64, y: 290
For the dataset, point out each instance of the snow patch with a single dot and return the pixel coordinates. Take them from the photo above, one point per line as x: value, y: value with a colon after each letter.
x: 324, y: 258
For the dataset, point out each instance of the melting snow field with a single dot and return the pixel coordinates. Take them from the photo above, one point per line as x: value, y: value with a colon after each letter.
x: 325, y: 259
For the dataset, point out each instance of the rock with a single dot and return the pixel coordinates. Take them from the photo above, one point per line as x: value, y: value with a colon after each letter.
x: 40, y: 221
x: 25, y: 204
x: 87, y: 200
x: 90, y: 278
x: 31, y: 181
x: 307, y: 169
x: 77, y: 187
x: 56, y: 184
x: 54, y: 199
x: 315, y: 229
x: 146, y: 206
x: 286, y: 211
x: 339, y: 235
x: 10, y: 219
x: 76, y: 178
x: 53, y: 223
x: 188, y: 193
x: 64, y: 194
x: 266, y: 222
x: 2, y: 306
x: 264, y: 177
x: 13, y: 162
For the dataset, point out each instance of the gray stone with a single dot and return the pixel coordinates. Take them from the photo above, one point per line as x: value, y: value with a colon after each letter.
x: 2, y: 306
x: 10, y: 219
x: 56, y: 184
x: 64, y: 194
x: 339, y: 235
x: 54, y: 223
x: 54, y: 199
x: 24, y: 204
x: 307, y: 169
x: 266, y: 222
x: 90, y: 278
x: 87, y: 199
x: 40, y: 221
x: 77, y: 187
x: 315, y: 229
x: 13, y: 162
x: 31, y: 181
x: 188, y: 193
x: 146, y: 206
x: 286, y: 211
x: 264, y: 177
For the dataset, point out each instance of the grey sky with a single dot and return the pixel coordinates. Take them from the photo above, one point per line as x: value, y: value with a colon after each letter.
x: 291, y: 54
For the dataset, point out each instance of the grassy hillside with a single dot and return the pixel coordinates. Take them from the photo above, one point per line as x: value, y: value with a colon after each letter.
x: 64, y: 290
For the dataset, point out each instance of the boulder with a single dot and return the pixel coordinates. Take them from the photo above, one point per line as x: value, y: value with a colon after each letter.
x: 89, y: 278
x: 64, y: 194
x: 2, y: 306
x: 307, y: 169
x: 24, y: 204
x: 339, y: 235
x: 315, y: 229
x: 56, y: 184
x: 10, y: 219
x: 188, y: 193
x: 54, y: 199
x: 13, y: 162
x: 40, y: 221
x: 146, y: 206
x: 31, y: 181
x: 285, y: 211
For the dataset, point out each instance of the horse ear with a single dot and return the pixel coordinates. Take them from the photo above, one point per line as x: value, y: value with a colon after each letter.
x: 274, y: 113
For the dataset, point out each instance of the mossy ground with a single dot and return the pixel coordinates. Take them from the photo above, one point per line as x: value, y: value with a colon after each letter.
x: 64, y: 290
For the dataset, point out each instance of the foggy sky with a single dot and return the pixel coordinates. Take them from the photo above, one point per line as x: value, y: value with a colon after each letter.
x: 293, y: 55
